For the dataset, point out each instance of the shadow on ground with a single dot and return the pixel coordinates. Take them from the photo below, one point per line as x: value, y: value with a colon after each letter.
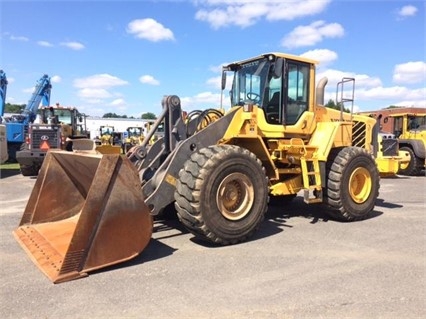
x: 8, y: 172
x: 276, y: 220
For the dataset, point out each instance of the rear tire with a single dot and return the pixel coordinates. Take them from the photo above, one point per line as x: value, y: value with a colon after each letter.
x: 413, y: 168
x: 353, y: 183
x: 221, y: 194
x: 27, y: 170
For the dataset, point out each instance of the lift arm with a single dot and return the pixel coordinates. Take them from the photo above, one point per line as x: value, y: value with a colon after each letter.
x: 3, y: 88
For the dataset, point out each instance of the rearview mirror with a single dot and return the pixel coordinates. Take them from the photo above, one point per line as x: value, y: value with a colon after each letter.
x: 278, y: 68
x: 223, y: 80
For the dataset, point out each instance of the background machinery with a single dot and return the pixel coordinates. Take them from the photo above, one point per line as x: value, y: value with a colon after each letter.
x: 57, y: 128
x: 4, y: 156
x: 131, y: 137
x: 218, y: 169
x: 109, y: 141
x: 17, y: 125
x: 410, y: 130
x: 387, y: 155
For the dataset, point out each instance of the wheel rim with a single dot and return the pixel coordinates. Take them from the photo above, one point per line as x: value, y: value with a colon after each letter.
x: 235, y: 196
x: 360, y: 185
x: 406, y: 159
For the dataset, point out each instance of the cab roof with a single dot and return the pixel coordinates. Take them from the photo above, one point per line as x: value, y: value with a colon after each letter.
x: 277, y: 54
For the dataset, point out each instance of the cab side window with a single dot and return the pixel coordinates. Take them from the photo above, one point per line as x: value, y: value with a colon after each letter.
x: 297, y: 91
x: 273, y: 107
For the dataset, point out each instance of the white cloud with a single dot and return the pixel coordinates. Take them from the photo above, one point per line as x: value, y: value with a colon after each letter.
x: 323, y: 56
x: 383, y: 92
x: 19, y: 38
x: 201, y: 101
x: 410, y: 72
x: 118, y: 102
x: 44, y: 44
x: 369, y: 91
x: 217, y: 68
x: 94, y: 94
x: 411, y: 103
x: 396, y: 95
x: 407, y: 11
x: 309, y: 35
x: 10, y: 80
x: 28, y: 90
x: 244, y: 13
x: 55, y: 79
x: 289, y: 10
x: 149, y: 79
x: 96, y: 88
x: 99, y: 81
x: 215, y: 82
x: 149, y: 29
x: 364, y: 80
x: 361, y: 80
x: 73, y: 45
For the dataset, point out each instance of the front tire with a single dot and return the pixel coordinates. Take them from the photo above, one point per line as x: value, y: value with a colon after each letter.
x: 353, y: 183
x: 221, y: 194
x: 413, y: 168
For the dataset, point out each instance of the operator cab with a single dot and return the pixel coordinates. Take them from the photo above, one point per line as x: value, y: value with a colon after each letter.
x: 280, y: 86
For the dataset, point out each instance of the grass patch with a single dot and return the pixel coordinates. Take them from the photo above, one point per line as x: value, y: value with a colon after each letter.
x: 9, y: 166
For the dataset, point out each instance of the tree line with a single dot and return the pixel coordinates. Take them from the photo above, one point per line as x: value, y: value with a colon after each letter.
x: 19, y: 108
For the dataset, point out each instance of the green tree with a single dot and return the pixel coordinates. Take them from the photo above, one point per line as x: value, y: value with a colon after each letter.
x: 14, y: 108
x: 148, y: 116
x: 113, y: 115
x: 332, y: 105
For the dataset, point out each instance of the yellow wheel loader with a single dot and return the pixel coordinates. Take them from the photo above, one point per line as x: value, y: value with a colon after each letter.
x: 389, y: 157
x: 133, y: 136
x: 410, y: 129
x: 107, y: 142
x: 219, y: 169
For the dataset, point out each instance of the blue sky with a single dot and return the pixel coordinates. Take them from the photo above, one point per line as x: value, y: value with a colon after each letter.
x: 124, y: 56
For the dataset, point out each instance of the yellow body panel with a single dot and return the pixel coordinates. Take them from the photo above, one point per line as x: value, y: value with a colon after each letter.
x: 108, y: 149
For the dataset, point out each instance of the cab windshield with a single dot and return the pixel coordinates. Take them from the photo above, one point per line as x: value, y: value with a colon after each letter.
x: 280, y: 88
x: 64, y: 116
x: 249, y: 82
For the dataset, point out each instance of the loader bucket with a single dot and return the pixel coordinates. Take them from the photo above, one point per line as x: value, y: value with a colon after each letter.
x: 85, y: 212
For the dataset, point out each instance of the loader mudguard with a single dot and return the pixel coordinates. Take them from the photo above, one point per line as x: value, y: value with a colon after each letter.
x: 159, y: 190
x: 85, y: 212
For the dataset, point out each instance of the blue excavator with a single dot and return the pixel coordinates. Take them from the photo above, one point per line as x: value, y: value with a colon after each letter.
x: 4, y: 156
x: 17, y: 125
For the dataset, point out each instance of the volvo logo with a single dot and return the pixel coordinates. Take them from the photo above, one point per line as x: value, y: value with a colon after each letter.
x: 44, y: 137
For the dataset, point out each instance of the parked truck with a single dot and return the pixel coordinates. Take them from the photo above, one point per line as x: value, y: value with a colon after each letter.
x: 217, y: 169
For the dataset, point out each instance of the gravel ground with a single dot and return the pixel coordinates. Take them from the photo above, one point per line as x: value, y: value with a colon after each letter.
x: 299, y: 264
